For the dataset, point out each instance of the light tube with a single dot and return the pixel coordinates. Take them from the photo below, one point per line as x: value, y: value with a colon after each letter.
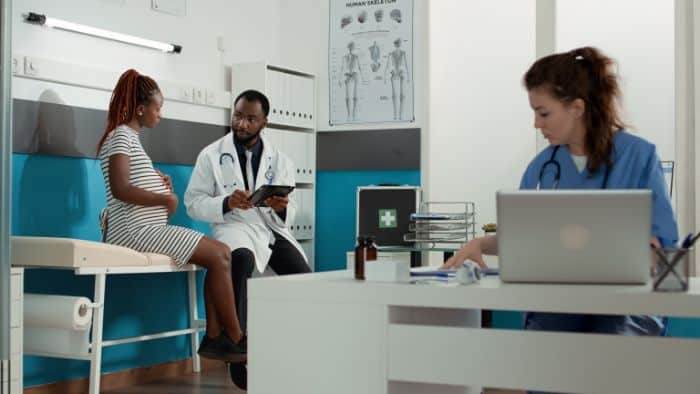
x: 93, y: 31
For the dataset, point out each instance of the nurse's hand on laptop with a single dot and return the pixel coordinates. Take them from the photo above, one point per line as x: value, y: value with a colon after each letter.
x: 472, y: 250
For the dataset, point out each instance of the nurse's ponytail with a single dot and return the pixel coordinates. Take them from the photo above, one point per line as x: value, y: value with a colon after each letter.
x: 132, y: 90
x: 588, y: 74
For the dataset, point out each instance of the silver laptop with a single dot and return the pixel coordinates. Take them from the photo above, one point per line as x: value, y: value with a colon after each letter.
x: 574, y: 236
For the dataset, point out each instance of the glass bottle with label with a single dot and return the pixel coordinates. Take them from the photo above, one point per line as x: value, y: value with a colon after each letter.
x: 371, y: 248
x: 360, y: 257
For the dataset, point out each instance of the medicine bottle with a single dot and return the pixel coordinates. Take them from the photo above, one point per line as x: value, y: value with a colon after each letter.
x: 371, y: 249
x: 360, y: 257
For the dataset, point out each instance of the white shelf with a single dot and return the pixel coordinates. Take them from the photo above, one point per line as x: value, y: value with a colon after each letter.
x: 292, y: 128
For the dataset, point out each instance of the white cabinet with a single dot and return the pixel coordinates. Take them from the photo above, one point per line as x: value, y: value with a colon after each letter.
x: 292, y: 129
x: 300, y: 146
x: 16, y: 317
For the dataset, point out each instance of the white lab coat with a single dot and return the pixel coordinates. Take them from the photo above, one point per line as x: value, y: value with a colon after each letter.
x: 216, y: 175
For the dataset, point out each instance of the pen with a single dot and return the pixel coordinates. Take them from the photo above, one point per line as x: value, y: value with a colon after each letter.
x: 691, y: 241
x: 686, y: 241
x: 439, y: 274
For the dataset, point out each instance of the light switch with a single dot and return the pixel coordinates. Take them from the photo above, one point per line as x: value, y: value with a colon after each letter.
x: 211, y: 97
x: 173, y: 7
x: 15, y: 65
x: 31, y: 66
x: 199, y: 95
x: 185, y: 94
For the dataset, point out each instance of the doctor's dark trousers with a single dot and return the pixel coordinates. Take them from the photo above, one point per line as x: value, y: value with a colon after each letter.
x: 285, y: 260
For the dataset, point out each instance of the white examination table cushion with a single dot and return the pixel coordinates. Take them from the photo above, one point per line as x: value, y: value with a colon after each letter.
x: 76, y: 253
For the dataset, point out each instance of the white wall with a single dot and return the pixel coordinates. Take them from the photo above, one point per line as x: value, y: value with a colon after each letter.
x: 639, y: 35
x: 480, y: 133
x: 252, y: 30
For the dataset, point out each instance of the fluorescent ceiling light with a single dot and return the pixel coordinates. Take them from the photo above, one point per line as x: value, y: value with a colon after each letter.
x: 93, y: 31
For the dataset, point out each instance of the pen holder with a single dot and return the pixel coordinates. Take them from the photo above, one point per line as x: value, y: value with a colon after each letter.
x: 671, y: 269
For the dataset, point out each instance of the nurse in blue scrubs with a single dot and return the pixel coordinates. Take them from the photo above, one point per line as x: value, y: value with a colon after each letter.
x: 574, y: 96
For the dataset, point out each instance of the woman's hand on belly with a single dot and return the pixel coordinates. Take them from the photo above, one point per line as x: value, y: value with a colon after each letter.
x: 171, y: 204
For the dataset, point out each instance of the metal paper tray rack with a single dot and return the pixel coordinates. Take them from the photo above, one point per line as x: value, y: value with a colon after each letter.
x: 442, y: 222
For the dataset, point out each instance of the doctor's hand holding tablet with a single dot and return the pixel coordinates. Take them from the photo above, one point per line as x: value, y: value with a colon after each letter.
x: 273, y: 196
x: 239, y: 199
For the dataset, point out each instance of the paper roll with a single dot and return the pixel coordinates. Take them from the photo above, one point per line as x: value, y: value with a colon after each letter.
x: 54, y: 311
x: 46, y: 340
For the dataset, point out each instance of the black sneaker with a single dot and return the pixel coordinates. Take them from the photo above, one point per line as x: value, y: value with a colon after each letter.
x: 239, y: 375
x: 223, y: 348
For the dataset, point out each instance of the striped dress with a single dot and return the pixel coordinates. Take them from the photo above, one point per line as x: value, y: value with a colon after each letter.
x: 138, y: 227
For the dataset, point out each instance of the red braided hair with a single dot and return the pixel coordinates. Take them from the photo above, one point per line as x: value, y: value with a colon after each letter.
x: 132, y: 90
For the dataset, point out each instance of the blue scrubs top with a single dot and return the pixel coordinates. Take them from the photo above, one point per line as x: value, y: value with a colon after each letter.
x: 635, y: 165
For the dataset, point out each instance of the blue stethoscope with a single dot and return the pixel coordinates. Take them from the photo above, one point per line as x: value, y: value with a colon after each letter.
x: 557, y: 175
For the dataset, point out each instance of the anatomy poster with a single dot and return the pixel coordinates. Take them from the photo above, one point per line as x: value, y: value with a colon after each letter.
x: 370, y: 61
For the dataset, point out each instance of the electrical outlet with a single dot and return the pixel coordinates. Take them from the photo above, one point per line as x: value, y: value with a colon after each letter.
x: 185, y: 94
x: 222, y: 43
x: 210, y: 97
x: 31, y: 66
x: 198, y: 95
x: 173, y: 7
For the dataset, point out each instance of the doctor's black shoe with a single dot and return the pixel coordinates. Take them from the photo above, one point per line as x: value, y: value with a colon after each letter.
x: 239, y: 375
x: 223, y: 348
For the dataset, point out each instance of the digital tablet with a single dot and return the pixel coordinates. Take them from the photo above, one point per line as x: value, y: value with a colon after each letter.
x: 265, y: 191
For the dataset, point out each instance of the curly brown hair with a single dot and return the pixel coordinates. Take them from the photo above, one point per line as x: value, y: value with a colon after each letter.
x: 587, y: 74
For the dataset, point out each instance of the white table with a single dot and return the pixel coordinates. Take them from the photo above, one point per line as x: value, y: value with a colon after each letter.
x: 94, y: 354
x: 327, y: 333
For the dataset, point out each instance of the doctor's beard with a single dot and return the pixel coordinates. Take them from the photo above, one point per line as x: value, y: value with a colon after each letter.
x: 245, y: 139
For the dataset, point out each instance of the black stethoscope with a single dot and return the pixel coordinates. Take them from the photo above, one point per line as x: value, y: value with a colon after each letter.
x: 557, y: 175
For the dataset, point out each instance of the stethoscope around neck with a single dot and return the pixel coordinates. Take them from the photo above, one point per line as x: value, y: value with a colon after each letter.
x: 557, y: 175
x: 269, y: 173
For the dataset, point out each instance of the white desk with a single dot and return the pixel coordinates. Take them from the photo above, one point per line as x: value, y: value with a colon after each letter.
x: 323, y: 333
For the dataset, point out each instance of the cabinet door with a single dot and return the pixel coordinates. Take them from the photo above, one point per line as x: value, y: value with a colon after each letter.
x: 296, y: 104
x: 307, y: 172
x: 15, y: 313
x: 309, y: 213
x: 16, y: 340
x: 272, y: 83
x: 16, y: 386
x: 275, y: 136
x: 304, y: 215
x: 16, y: 367
x: 295, y: 223
x: 294, y: 147
x: 286, y: 98
x: 309, y: 89
x: 15, y: 287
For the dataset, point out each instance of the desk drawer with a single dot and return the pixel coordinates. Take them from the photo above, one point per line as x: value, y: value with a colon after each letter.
x: 15, y: 313
x: 15, y: 287
x: 542, y: 361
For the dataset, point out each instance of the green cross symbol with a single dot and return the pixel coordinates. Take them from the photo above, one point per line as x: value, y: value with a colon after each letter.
x: 387, y: 218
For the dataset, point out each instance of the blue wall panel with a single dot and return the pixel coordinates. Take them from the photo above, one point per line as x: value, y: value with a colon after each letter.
x: 62, y: 197
x: 59, y: 196
x: 336, y: 196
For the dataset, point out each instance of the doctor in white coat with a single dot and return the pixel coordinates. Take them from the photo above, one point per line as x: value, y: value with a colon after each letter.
x: 225, y: 175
